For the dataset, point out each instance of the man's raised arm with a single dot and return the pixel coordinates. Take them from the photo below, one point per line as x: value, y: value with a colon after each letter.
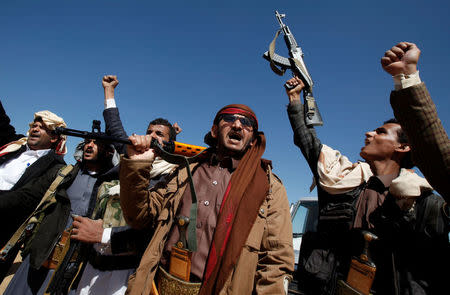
x: 416, y: 113
x: 111, y: 114
x: 304, y: 137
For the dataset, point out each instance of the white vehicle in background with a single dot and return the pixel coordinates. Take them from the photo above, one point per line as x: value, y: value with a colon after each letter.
x: 304, y: 216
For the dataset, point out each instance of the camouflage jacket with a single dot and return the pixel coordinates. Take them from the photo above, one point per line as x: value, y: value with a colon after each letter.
x: 108, y: 205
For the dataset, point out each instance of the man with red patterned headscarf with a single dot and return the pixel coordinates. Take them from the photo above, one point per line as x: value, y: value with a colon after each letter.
x: 240, y: 239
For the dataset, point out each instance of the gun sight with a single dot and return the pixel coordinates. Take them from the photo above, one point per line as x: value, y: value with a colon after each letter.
x: 280, y: 21
x: 279, y: 17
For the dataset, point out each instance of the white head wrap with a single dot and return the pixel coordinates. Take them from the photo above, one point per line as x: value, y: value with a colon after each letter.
x: 52, y: 121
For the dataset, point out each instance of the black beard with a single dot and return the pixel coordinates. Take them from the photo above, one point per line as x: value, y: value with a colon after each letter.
x: 103, y: 162
x: 222, y: 152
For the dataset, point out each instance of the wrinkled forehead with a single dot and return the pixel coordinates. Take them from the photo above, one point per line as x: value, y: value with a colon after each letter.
x: 38, y: 120
x: 159, y: 127
x: 237, y: 112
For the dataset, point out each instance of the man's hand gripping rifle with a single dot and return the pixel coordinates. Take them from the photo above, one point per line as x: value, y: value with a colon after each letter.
x: 296, y: 64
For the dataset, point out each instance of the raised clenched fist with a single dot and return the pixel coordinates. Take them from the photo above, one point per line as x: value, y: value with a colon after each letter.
x: 110, y: 81
x: 401, y: 59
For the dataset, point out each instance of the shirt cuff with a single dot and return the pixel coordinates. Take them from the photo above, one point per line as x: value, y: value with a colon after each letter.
x: 110, y: 103
x: 106, y: 237
x: 104, y: 248
x: 402, y: 81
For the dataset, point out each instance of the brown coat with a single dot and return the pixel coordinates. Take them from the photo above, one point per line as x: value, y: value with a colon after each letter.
x: 266, y: 261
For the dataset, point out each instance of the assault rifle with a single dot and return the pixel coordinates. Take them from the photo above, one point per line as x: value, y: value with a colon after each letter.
x: 171, y: 147
x: 296, y: 64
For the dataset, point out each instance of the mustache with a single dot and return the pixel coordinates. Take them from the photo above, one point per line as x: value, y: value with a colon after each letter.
x: 89, y: 150
x: 235, y: 134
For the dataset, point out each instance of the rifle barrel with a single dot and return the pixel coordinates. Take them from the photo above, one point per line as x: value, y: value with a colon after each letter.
x: 175, y: 147
x: 91, y: 135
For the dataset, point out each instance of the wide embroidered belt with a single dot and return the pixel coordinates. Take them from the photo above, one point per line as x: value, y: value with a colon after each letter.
x: 171, y: 285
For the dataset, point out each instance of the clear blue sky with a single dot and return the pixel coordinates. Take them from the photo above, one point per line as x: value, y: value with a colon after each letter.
x: 183, y: 60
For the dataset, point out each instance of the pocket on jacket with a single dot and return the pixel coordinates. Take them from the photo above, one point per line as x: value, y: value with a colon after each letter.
x: 113, y: 216
x: 255, y: 237
x: 316, y: 262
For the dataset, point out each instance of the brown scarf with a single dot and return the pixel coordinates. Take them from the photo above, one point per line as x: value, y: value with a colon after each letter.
x: 246, y: 192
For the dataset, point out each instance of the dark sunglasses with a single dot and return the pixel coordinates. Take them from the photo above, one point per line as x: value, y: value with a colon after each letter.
x: 229, y: 118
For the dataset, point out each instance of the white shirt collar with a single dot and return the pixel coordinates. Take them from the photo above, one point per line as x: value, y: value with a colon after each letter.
x: 39, y: 153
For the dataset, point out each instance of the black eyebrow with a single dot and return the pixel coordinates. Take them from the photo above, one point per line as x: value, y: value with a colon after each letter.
x: 381, y: 130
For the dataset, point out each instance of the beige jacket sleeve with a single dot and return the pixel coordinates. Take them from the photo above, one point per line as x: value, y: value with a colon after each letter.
x: 276, y: 259
x: 139, y: 204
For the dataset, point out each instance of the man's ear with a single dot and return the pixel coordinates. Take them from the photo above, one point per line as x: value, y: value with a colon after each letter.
x: 214, y: 130
x: 54, y: 138
x: 403, y: 148
x: 253, y: 141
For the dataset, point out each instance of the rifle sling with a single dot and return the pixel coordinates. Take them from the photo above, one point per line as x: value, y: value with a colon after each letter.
x: 275, y: 69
